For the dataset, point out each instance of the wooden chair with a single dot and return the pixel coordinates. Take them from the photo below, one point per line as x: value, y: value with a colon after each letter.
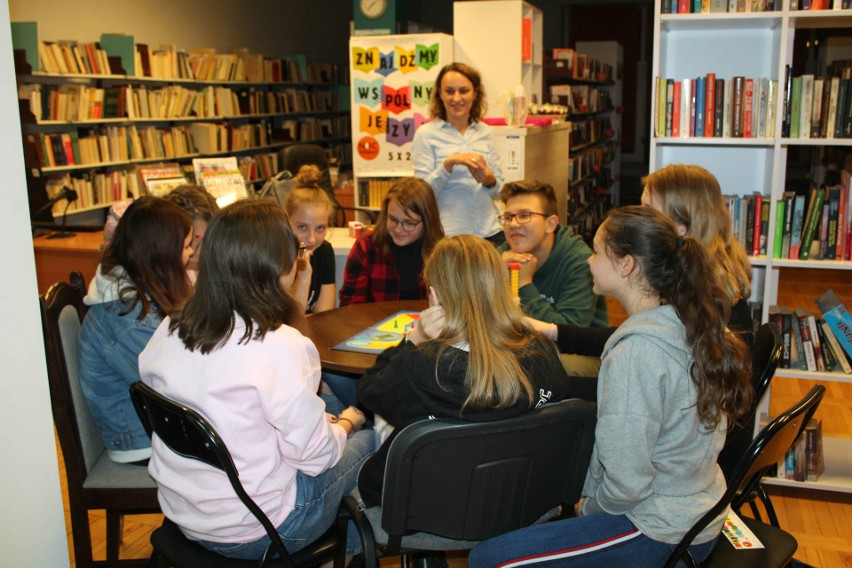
x: 188, y: 434
x: 94, y: 481
x: 449, y: 484
x: 770, y: 446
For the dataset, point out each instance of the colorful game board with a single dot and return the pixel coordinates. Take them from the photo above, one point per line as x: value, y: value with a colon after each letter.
x: 386, y: 333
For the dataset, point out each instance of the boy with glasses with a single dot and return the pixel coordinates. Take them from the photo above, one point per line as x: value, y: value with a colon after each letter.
x: 555, y: 285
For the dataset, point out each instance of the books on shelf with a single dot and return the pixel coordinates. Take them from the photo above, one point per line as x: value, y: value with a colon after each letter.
x: 811, y: 343
x: 712, y: 106
x: 221, y: 177
x: 819, y: 105
x: 816, y: 227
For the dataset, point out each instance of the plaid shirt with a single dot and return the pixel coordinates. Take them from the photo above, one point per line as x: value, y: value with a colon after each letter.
x: 371, y: 275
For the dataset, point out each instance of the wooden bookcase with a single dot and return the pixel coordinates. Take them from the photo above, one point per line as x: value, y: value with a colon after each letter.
x: 322, y: 118
x: 757, y: 44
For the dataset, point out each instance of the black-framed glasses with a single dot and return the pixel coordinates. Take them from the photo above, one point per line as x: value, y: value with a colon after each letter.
x: 523, y: 217
x: 407, y: 224
x: 303, y: 249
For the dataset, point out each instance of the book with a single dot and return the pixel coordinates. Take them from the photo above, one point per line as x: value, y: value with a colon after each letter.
x: 797, y: 224
x: 700, y: 103
x: 737, y: 107
x: 818, y: 355
x: 758, y: 208
x: 833, y: 219
x: 814, y: 454
x: 709, y: 104
x: 829, y: 362
x: 748, y: 108
x: 660, y: 116
x: 719, y: 110
x: 795, y: 107
x: 727, y: 109
x: 806, y: 106
x: 685, y: 104
x: 676, y: 107
x: 778, y: 238
x: 669, y: 105
x: 836, y: 350
x: 816, y: 106
x: 837, y: 316
x: 764, y: 225
x: 787, y: 102
x: 771, y: 112
x: 811, y: 222
x: 777, y: 318
x: 760, y: 104
x: 748, y: 201
x: 842, y: 94
x: 829, y: 128
x: 797, y: 352
x: 25, y: 38
x: 122, y: 47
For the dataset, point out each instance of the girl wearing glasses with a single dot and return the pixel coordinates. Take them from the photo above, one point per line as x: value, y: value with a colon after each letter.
x: 386, y: 264
x: 309, y: 208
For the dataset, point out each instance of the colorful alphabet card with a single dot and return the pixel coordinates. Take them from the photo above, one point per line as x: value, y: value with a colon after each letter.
x: 393, y: 78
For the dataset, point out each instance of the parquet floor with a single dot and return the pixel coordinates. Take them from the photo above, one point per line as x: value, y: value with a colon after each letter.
x: 820, y: 521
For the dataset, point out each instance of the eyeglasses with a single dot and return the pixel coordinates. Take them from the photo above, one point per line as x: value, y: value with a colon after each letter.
x: 523, y: 217
x: 303, y: 249
x: 407, y: 225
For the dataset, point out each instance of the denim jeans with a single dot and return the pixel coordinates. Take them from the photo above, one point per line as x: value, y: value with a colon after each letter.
x: 317, y: 502
x: 594, y: 540
x: 343, y: 386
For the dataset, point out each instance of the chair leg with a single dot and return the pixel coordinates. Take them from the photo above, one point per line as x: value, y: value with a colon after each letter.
x: 115, y: 522
x: 81, y: 536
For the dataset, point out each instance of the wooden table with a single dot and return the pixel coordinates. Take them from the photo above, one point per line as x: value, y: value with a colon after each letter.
x: 327, y: 329
x: 56, y: 258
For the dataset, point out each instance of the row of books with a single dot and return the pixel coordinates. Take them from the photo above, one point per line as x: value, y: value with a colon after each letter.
x: 571, y: 64
x: 814, y: 343
x: 805, y: 461
x: 259, y: 167
x: 587, y: 132
x: 93, y: 189
x: 73, y: 103
x: 581, y: 98
x: 590, y: 161
x: 713, y: 107
x: 817, y: 107
x: 111, y: 144
x: 817, y: 226
x: 715, y: 6
x: 312, y: 129
x: 749, y: 221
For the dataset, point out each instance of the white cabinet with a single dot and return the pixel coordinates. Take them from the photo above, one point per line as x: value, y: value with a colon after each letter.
x: 751, y: 45
x: 502, y: 39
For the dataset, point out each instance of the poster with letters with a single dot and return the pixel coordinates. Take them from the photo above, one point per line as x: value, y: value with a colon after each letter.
x: 392, y: 80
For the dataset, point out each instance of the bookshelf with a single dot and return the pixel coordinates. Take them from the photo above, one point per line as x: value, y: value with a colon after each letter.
x: 91, y: 130
x: 756, y: 45
x: 587, y: 80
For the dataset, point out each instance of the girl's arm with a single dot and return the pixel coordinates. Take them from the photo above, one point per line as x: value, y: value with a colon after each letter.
x: 326, y: 299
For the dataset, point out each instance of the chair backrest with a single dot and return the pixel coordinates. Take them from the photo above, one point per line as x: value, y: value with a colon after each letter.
x: 475, y: 480
x: 188, y: 434
x: 765, y: 358
x: 767, y: 449
x: 62, y: 313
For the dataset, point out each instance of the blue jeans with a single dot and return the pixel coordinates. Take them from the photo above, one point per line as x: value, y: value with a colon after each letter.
x: 594, y: 540
x: 317, y: 502
x: 343, y: 386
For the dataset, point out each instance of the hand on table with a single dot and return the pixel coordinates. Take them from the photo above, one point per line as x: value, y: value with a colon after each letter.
x: 528, y: 262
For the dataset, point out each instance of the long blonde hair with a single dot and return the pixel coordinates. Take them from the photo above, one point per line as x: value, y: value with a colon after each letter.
x: 473, y: 287
x: 691, y: 196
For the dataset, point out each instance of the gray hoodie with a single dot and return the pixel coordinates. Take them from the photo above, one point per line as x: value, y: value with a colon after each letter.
x: 653, y: 460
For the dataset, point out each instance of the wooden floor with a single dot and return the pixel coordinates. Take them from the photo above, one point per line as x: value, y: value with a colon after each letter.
x: 820, y: 521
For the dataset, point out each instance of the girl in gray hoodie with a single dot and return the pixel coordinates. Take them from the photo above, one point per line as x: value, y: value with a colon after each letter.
x: 671, y: 378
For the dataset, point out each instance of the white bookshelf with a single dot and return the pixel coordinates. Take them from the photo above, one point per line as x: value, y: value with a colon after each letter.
x: 751, y: 45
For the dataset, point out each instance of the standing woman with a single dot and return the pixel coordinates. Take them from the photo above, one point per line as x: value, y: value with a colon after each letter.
x: 671, y: 378
x: 455, y: 154
x: 387, y: 264
x: 309, y: 208
x: 233, y: 355
x: 141, y: 279
x: 470, y: 356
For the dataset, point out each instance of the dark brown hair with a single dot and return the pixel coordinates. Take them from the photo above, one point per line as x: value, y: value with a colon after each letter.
x: 414, y: 196
x: 480, y: 105
x: 248, y: 246
x: 195, y: 200
x: 682, y: 274
x: 531, y: 187
x: 148, y: 245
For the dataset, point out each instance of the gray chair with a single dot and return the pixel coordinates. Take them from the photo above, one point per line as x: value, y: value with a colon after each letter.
x: 94, y: 481
x: 770, y: 446
x: 449, y: 484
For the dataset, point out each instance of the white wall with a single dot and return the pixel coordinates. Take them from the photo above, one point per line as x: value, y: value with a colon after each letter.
x: 32, y: 524
x: 318, y: 29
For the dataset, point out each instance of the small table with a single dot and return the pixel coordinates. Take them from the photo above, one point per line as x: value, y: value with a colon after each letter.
x: 57, y: 258
x: 327, y: 329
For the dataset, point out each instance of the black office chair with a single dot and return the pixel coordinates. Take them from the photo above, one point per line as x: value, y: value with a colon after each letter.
x: 770, y: 446
x: 449, y: 484
x: 295, y: 156
x: 94, y: 480
x: 188, y: 434
x: 765, y: 356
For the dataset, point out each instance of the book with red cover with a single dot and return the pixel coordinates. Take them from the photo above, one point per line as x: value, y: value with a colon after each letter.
x: 758, y: 211
x: 709, y: 105
x: 526, y: 39
x: 748, y: 106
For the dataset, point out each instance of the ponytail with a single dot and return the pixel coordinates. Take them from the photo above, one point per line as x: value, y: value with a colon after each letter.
x: 679, y: 270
